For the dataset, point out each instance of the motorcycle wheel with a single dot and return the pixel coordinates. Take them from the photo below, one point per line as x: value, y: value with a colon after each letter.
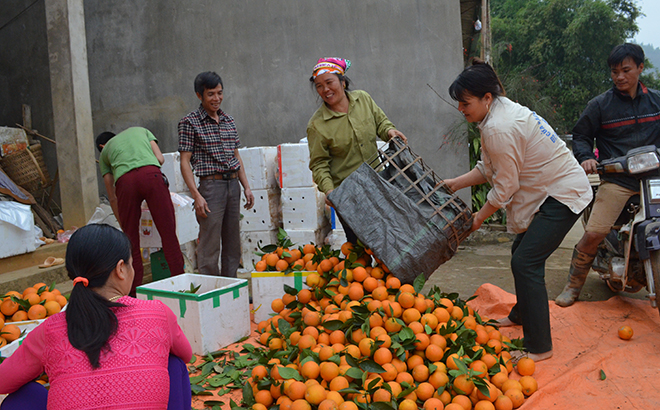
x: 655, y: 266
x: 614, y: 286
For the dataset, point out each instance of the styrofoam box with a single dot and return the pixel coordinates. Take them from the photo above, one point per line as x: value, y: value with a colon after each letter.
x: 172, y: 170
x: 335, y: 223
x: 293, y: 166
x: 15, y: 240
x: 260, y: 165
x: 268, y: 286
x: 26, y: 326
x: 303, y: 208
x: 250, y: 243
x: 214, y: 317
x: 266, y: 214
x: 335, y: 238
x: 187, y: 228
x: 302, y: 237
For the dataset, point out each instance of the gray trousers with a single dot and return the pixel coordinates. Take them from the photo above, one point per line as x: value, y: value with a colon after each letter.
x: 221, y: 226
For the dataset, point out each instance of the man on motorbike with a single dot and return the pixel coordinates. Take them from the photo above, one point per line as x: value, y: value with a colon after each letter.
x: 626, y: 116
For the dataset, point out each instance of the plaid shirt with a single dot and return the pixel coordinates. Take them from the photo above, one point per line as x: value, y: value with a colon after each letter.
x: 212, y: 143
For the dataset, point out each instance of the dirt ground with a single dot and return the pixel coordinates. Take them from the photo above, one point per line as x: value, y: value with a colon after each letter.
x: 485, y: 258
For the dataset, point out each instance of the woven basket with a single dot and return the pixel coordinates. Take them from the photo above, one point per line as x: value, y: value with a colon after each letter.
x: 27, y: 168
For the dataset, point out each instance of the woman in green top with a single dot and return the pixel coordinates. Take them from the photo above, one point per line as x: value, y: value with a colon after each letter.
x: 342, y: 132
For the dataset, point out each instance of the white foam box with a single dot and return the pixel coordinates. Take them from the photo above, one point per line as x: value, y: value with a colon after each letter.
x: 172, y: 170
x: 16, y: 229
x: 335, y: 223
x: 187, y: 228
x: 335, y: 238
x: 302, y: 237
x: 266, y: 214
x: 293, y: 166
x: 303, y: 208
x: 25, y: 326
x: 214, y: 317
x: 268, y: 286
x: 260, y: 165
x: 250, y: 243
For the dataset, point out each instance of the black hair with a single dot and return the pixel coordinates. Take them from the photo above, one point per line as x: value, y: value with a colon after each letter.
x: 623, y: 51
x: 341, y: 77
x: 93, y: 253
x: 476, y: 80
x: 207, y: 80
x: 103, y: 139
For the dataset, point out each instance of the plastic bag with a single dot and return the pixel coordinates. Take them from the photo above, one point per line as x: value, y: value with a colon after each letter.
x: 104, y: 215
x: 393, y: 226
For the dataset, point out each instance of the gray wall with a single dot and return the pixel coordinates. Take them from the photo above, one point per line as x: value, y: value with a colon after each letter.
x: 144, y: 55
x: 24, y: 73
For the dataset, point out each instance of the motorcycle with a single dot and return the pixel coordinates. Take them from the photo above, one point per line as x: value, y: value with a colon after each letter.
x: 628, y: 259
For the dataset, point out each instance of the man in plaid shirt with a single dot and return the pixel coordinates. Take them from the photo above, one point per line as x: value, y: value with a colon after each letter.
x: 208, y: 141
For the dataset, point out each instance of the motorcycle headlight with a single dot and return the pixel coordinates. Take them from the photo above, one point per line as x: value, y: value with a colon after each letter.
x: 645, y: 162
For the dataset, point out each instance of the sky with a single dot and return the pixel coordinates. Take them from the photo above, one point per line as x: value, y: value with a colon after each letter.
x: 649, y: 29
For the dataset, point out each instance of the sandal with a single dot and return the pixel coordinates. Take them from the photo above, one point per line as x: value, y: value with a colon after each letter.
x: 51, y: 261
x: 48, y: 262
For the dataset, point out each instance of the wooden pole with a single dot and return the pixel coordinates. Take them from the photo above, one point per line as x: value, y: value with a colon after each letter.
x: 486, y: 45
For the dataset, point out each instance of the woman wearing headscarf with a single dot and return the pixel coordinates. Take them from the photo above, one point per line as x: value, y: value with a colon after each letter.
x: 342, y: 132
x: 535, y: 178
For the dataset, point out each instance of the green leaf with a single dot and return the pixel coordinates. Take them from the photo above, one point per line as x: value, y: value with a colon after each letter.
x: 354, y: 373
x: 379, y: 405
x: 406, y: 334
x: 214, y: 403
x: 419, y: 283
x: 248, y: 395
x: 602, y: 375
x: 371, y: 367
x: 289, y: 373
x: 333, y: 324
x: 290, y: 290
x: 197, y: 389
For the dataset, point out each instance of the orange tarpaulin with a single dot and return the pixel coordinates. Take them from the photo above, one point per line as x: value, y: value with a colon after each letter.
x: 585, y: 341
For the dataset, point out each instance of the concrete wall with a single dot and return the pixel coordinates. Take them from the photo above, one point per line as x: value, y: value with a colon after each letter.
x: 144, y: 55
x: 24, y: 73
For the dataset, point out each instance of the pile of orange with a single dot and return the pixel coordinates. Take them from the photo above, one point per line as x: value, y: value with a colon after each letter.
x: 359, y: 336
x: 36, y: 302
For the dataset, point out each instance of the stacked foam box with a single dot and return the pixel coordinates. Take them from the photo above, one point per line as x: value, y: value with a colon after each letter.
x: 259, y: 225
x: 303, y: 205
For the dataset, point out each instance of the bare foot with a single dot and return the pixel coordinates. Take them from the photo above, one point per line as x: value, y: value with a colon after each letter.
x: 537, y: 357
x: 505, y: 322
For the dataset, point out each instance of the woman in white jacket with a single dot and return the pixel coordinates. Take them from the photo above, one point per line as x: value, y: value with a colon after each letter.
x: 535, y: 178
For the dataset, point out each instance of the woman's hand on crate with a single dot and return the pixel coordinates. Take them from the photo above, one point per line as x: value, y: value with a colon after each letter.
x: 396, y: 133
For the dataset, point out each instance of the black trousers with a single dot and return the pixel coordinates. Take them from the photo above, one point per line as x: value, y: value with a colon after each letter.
x: 529, y: 252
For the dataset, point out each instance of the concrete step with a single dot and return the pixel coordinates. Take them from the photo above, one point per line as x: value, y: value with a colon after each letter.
x: 20, y: 279
x: 32, y: 259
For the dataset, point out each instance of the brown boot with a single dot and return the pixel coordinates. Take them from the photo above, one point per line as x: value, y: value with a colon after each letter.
x: 580, y: 265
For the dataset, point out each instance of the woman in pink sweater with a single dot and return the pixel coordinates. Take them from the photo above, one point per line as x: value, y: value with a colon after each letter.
x: 107, y: 350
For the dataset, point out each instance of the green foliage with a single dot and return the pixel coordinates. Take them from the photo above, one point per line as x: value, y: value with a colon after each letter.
x: 553, y: 53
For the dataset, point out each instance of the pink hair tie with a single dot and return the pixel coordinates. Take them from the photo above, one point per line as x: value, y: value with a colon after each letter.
x: 84, y: 281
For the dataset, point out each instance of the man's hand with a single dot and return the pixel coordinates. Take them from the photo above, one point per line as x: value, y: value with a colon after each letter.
x: 201, y: 207
x: 249, y: 199
x: 589, y: 166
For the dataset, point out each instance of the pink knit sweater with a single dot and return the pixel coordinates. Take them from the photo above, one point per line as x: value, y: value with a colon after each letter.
x: 133, y: 373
